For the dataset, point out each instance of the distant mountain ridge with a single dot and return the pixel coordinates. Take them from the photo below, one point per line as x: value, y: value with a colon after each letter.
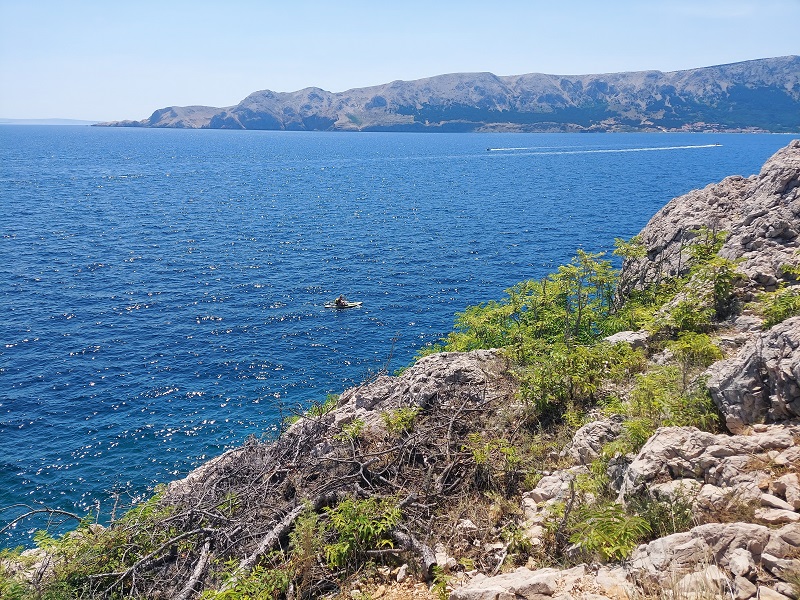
x: 756, y: 95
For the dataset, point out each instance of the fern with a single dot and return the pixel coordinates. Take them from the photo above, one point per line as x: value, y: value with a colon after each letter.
x: 609, y: 531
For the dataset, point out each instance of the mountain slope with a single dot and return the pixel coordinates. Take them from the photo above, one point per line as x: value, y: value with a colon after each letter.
x: 753, y: 95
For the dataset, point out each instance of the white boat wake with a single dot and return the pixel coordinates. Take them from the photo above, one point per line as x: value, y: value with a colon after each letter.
x: 534, y: 149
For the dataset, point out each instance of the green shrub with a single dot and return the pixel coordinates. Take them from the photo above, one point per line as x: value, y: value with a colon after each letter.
x: 261, y: 583
x: 497, y: 461
x: 694, y: 351
x: 10, y: 587
x: 664, y: 516
x: 658, y: 400
x: 778, y: 306
x: 319, y: 409
x: 609, y: 531
x: 350, y: 431
x: 566, y: 377
x: 358, y: 526
x: 400, y: 420
x: 692, y: 314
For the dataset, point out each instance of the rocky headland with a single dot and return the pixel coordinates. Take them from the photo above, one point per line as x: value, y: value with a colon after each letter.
x: 556, y: 459
x: 757, y: 95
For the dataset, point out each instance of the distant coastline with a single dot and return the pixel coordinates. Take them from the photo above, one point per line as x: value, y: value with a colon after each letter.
x: 751, y: 96
x: 61, y: 122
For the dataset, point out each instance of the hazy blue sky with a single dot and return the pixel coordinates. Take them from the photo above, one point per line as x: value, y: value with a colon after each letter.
x: 109, y: 60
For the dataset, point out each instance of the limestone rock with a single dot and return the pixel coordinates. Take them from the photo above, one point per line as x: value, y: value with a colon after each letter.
x: 670, y: 558
x: 741, y: 563
x: 759, y: 213
x: 787, y: 589
x: 771, y: 501
x: 635, y: 339
x: 578, y: 583
x: 744, y: 589
x: 520, y: 583
x: 785, y: 541
x: 776, y: 516
x: 781, y: 568
x: 788, y: 486
x: 588, y: 441
x: 710, y: 580
x: 553, y: 486
x: 728, y: 470
x: 762, y: 382
x: 765, y: 593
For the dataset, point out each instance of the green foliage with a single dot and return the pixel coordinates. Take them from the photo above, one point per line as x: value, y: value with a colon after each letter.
x: 692, y: 302
x: 261, y: 583
x: 10, y: 587
x: 569, y: 306
x: 305, y: 538
x: 609, y: 531
x: 350, y: 431
x: 707, y: 243
x: 694, y: 350
x: 319, y: 409
x: 497, y: 461
x: 440, y: 581
x: 719, y: 275
x: 659, y: 399
x: 664, y: 516
x: 778, y: 306
x: 400, y: 420
x: 631, y: 249
x: 359, y: 525
x: 516, y: 539
x: 791, y: 271
x: 565, y: 377
x: 90, y: 550
x: 688, y: 315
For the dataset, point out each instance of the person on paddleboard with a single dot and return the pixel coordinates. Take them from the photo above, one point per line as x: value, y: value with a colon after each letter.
x: 341, y: 302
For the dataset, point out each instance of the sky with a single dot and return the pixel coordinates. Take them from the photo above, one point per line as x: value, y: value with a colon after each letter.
x: 112, y: 60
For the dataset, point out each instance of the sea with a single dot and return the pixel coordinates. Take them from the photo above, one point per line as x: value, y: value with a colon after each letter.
x: 163, y: 291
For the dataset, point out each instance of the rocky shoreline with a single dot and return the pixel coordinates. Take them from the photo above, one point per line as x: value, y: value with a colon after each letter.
x: 462, y: 492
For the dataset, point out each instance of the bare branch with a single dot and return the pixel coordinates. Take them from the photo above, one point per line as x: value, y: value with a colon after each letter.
x: 202, y: 564
x: 36, y: 511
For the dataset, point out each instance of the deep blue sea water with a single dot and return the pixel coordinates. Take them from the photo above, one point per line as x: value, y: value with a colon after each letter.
x: 163, y: 290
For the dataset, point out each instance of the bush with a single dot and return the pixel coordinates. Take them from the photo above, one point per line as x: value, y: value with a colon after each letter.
x: 261, y: 583
x: 358, y: 526
x: 779, y: 306
x: 319, y: 409
x: 609, y: 531
x: 496, y: 460
x: 401, y: 420
x: 664, y: 516
x: 350, y: 431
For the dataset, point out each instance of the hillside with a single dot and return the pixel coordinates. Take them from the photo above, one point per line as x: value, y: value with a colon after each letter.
x: 591, y: 436
x: 757, y: 95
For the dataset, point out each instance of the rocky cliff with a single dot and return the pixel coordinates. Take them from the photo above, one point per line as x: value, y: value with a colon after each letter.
x: 753, y: 95
x: 743, y: 485
x: 761, y: 215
